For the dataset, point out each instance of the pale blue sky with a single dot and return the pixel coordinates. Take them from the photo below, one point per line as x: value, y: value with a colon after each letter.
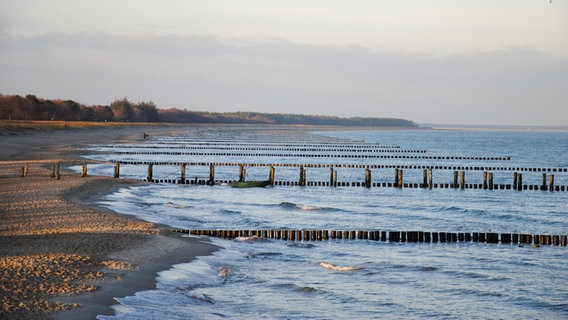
x: 438, y: 61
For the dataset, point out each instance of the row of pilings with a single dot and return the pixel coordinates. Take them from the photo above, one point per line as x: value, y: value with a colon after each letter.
x: 459, y: 180
x: 384, y: 236
x: 346, y: 165
x: 314, y: 155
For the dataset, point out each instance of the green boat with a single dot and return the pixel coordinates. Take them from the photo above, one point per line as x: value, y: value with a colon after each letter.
x: 250, y: 184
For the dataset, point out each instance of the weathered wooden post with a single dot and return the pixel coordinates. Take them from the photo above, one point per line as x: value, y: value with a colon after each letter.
x: 183, y: 172
x: 543, y: 187
x: 520, y: 182
x: 53, y: 171
x: 395, y: 183
x: 26, y: 169
x: 84, y: 170
x: 211, y: 173
x: 425, y: 178
x: 117, y: 170
x: 23, y: 172
x: 490, y: 174
x: 302, y: 181
x: 271, y: 175
x: 367, y: 178
x: 455, y: 185
x: 551, y: 182
x: 242, y: 172
x: 400, y: 175
x: 484, y: 179
x: 335, y: 178
x: 430, y: 179
x: 462, y: 180
x: 331, y: 176
x: 57, y: 175
x: 515, y: 180
x: 150, y: 172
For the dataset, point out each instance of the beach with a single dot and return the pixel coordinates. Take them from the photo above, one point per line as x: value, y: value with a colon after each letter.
x: 61, y: 255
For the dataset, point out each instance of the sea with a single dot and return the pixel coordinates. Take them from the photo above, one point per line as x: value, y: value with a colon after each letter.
x: 251, y: 277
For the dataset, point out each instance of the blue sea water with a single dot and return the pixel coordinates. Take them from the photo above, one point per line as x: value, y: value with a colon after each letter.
x: 277, y: 279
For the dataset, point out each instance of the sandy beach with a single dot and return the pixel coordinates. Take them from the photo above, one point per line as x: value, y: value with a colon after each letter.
x: 61, y: 255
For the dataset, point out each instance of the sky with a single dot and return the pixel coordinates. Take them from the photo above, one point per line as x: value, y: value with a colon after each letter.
x: 498, y: 62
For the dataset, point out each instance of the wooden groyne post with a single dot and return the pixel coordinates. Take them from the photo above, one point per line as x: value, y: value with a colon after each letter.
x: 183, y: 171
x: 211, y: 174
x: 55, y: 172
x: 117, y: 170
x: 335, y: 178
x: 271, y: 175
x: 331, y: 177
x: 462, y: 180
x: 455, y: 185
x: 84, y: 170
x: 242, y: 172
x: 395, y: 182
x: 150, y: 172
x: 367, y: 178
x: 551, y: 182
x: 302, y: 181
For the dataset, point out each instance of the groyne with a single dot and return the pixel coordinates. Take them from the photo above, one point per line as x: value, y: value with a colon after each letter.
x: 384, y: 236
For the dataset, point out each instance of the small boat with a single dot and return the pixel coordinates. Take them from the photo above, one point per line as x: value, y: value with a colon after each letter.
x: 250, y: 184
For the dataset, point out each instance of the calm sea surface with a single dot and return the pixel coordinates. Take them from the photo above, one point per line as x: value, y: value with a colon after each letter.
x: 277, y: 279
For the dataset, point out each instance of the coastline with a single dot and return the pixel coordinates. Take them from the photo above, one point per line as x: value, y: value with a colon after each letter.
x: 59, y: 248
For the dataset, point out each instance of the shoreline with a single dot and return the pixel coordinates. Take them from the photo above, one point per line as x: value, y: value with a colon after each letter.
x: 56, y: 228
x: 158, y: 253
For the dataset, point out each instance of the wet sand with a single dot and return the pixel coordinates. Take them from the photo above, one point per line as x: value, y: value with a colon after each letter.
x: 61, y: 255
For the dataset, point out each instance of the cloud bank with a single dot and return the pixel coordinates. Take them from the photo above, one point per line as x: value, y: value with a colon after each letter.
x: 210, y: 73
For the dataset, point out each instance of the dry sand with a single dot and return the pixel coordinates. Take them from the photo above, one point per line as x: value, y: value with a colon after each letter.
x: 58, y: 250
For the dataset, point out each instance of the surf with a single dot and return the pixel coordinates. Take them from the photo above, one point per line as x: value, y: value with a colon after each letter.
x: 330, y: 266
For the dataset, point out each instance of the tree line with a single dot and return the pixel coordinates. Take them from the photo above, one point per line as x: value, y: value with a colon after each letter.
x: 30, y: 107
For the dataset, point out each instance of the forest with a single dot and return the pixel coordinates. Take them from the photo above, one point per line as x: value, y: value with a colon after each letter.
x: 30, y: 107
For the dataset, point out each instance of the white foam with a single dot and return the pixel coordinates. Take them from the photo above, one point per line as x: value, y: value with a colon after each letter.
x: 327, y: 265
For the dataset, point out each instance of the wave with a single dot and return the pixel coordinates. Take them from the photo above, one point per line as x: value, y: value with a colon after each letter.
x: 297, y: 288
x: 223, y: 274
x: 202, y: 297
x: 458, y: 209
x: 303, y: 207
x: 262, y: 254
x: 249, y: 239
x: 327, y: 265
x: 300, y: 245
x: 227, y: 211
x: 176, y: 206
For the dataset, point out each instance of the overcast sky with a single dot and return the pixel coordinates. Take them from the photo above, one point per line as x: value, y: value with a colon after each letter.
x: 430, y: 61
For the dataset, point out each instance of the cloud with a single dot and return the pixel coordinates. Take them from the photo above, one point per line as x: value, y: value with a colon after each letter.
x: 517, y: 85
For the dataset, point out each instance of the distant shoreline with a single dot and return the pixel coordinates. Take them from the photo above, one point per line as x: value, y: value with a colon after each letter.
x: 493, y: 127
